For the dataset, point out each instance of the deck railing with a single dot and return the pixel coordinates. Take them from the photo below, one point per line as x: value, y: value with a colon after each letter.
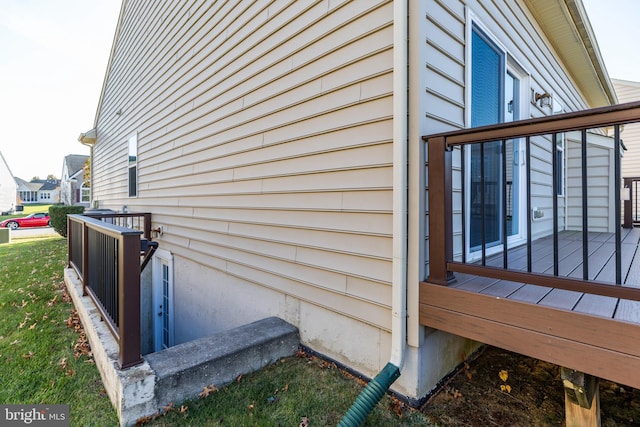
x: 631, y: 202
x: 138, y: 221
x: 106, y: 257
x: 482, y: 152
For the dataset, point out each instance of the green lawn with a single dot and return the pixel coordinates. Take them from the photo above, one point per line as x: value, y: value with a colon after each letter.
x: 44, y: 359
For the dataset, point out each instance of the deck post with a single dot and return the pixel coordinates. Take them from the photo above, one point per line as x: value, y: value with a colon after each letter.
x: 440, y: 221
x: 581, y: 398
x: 628, y: 204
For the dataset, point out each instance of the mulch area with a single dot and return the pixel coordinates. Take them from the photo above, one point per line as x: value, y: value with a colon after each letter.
x: 501, y: 388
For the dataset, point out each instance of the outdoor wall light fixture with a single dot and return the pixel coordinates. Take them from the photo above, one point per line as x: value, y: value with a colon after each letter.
x: 542, y: 99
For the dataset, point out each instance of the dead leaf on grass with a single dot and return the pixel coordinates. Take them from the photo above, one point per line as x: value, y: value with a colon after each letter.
x: 304, y: 422
x: 63, y: 364
x: 28, y: 355
x: 183, y: 409
x: 207, y: 391
x: 32, y: 327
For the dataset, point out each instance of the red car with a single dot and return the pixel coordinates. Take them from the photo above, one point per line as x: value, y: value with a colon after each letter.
x: 38, y: 219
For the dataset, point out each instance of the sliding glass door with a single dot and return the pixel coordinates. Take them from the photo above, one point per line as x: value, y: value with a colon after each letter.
x: 493, y: 182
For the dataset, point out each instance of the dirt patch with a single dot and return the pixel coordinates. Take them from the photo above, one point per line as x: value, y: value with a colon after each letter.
x: 500, y: 388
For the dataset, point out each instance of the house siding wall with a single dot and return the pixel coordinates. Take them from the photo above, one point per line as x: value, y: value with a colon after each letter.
x: 600, y: 189
x: 628, y: 91
x: 264, y: 150
x: 8, y: 187
x: 511, y: 25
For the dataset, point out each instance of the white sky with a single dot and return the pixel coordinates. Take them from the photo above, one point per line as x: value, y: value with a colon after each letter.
x: 54, y: 55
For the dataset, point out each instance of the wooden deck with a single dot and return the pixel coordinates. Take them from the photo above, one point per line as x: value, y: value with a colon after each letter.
x: 595, y: 334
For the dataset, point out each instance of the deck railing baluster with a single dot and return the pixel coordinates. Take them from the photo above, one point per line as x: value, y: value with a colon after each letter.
x: 529, y: 212
x: 585, y: 208
x: 505, y: 262
x: 483, y: 228
x: 554, y: 198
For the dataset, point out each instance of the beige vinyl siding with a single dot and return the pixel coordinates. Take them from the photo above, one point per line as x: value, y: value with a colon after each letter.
x: 600, y: 182
x: 265, y: 133
x: 511, y: 25
x: 628, y: 91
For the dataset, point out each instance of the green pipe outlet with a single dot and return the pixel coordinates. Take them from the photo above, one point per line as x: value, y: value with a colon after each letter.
x: 370, y: 396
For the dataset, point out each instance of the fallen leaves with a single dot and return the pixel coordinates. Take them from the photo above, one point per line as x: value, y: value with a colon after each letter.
x: 208, y: 389
x: 82, y: 346
x: 170, y: 407
x: 504, y: 376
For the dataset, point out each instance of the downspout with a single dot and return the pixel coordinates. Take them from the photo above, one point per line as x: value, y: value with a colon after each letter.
x: 378, y: 386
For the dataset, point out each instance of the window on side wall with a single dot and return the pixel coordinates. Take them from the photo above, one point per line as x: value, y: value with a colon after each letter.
x: 85, y: 193
x: 133, y: 165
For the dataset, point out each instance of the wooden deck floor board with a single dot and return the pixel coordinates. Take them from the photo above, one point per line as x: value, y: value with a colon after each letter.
x: 628, y: 311
x: 502, y: 289
x: 560, y: 298
x: 597, y: 305
x: 530, y: 293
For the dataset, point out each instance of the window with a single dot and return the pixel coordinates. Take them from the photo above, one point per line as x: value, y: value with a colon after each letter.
x: 133, y: 165
x: 85, y: 193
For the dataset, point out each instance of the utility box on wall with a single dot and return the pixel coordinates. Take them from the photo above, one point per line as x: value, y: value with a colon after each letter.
x: 5, y: 235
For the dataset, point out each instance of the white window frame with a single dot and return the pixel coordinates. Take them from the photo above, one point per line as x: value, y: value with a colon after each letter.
x: 132, y: 165
x: 85, y: 193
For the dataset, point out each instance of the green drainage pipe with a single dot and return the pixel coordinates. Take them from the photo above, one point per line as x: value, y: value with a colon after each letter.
x: 370, y: 396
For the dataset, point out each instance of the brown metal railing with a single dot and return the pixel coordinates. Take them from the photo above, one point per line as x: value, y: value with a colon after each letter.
x: 135, y: 220
x: 440, y: 147
x: 107, y: 259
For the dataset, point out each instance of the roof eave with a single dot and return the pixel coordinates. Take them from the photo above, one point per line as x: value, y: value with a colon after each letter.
x: 580, y: 53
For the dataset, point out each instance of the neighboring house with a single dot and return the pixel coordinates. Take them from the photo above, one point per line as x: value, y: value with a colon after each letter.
x: 279, y: 148
x: 38, y: 191
x: 628, y: 91
x: 8, y: 187
x: 73, y: 188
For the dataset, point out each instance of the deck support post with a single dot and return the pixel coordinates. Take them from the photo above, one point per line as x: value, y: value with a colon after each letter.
x: 581, y: 398
x: 440, y: 208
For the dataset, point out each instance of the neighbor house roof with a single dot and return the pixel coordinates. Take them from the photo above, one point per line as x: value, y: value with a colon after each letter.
x: 75, y: 163
x: 5, y: 163
x: 567, y: 26
x: 49, y: 185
